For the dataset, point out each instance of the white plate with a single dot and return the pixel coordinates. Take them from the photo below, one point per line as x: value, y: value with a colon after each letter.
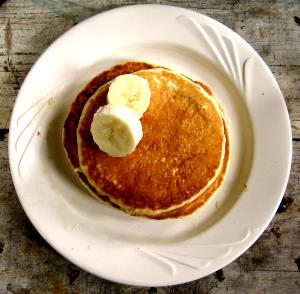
x: 133, y: 250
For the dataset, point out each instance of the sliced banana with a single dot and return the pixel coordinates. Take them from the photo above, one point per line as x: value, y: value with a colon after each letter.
x: 130, y: 90
x: 116, y: 129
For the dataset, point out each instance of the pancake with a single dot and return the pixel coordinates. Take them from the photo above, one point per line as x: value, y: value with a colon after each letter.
x: 141, y: 174
x: 179, y: 158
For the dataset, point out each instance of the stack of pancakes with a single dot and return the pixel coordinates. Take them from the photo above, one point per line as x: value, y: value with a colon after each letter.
x: 180, y: 161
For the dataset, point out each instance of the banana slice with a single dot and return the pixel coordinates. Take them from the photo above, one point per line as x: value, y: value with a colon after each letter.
x: 130, y: 90
x: 116, y: 129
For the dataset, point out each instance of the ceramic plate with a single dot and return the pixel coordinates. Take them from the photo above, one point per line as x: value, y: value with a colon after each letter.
x: 108, y: 242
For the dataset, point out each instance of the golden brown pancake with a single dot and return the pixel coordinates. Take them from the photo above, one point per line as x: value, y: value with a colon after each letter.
x: 139, y: 171
x: 180, y: 155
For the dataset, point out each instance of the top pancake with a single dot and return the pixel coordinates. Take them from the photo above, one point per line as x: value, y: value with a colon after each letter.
x: 179, y: 156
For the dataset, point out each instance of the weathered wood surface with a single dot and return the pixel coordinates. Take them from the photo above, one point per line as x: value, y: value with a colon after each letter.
x: 29, y: 265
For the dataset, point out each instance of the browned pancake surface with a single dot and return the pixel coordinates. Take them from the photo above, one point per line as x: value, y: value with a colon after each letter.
x: 179, y: 154
x: 189, y: 208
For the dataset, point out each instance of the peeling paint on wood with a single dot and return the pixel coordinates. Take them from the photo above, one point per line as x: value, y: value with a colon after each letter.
x: 285, y: 204
x: 219, y: 275
x: 3, y: 133
x: 1, y: 246
x: 297, y: 261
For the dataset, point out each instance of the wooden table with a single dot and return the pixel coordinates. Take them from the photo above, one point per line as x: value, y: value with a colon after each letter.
x: 29, y: 265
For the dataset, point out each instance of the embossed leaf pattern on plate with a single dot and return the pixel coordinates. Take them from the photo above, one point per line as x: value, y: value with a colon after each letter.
x: 28, y: 123
x: 224, y: 51
x: 197, y: 256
